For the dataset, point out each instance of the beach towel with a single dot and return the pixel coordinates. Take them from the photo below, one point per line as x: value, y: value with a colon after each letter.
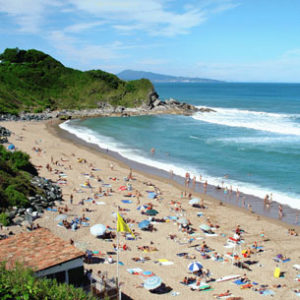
x: 211, y: 234
x: 194, y: 286
x: 126, y: 201
x: 88, y: 200
x: 228, y: 277
x: 135, y: 271
x: 267, y: 293
x: 100, y: 203
x: 51, y: 209
x: 85, y: 224
x: 85, y: 186
x: 239, y: 282
x: 277, y: 272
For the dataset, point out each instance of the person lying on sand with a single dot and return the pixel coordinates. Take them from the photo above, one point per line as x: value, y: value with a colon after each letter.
x: 147, y: 248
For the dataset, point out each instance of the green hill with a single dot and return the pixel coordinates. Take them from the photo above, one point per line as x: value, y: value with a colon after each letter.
x: 32, y: 81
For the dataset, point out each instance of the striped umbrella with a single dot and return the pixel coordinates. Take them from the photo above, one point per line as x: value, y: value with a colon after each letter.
x: 195, y: 267
x: 147, y: 274
x: 152, y: 282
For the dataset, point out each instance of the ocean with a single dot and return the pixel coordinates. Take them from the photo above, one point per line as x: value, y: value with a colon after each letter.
x: 251, y: 141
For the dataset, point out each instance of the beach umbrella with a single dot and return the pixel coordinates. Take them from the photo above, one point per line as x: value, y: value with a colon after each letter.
x: 147, y: 274
x: 61, y: 217
x: 195, y: 267
x: 194, y: 201
x: 11, y: 147
x: 183, y: 221
x: 152, y: 282
x: 151, y: 212
x: 98, y: 229
x: 204, y: 227
x: 144, y: 224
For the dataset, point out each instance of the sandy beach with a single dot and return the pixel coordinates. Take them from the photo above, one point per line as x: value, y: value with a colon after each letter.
x: 81, y: 165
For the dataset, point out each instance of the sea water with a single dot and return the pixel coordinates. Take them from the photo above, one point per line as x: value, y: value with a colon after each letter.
x: 251, y: 141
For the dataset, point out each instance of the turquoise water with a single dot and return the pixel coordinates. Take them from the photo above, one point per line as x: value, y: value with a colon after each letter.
x: 251, y: 142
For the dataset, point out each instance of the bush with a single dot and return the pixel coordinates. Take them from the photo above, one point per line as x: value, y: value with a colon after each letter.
x: 20, y: 283
x: 15, y: 197
x: 4, y: 220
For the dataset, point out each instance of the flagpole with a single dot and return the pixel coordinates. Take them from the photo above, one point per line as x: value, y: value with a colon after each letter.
x: 118, y: 274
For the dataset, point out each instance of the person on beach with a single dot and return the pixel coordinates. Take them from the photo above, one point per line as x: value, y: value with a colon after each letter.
x: 71, y: 199
x: 280, y: 211
x: 187, y: 179
x: 194, y: 182
x: 205, y: 184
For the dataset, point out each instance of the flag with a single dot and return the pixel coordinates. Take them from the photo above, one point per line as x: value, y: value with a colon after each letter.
x: 122, y: 226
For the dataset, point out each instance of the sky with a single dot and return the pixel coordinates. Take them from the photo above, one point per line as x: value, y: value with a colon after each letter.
x: 231, y: 40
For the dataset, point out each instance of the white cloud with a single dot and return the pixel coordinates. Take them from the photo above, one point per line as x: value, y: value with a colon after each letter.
x: 153, y: 16
x: 27, y: 14
x: 86, y: 55
x: 75, y: 28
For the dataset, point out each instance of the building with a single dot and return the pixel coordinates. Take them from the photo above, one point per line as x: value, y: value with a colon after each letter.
x: 48, y: 255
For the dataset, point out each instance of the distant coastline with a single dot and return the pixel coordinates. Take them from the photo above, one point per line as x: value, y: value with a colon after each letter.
x: 155, y: 77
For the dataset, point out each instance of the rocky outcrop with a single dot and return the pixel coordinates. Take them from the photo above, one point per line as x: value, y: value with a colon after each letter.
x: 38, y: 202
x: 153, y: 106
x: 4, y: 133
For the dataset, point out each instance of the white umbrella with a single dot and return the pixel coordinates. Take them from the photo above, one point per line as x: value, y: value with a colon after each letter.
x: 194, y: 201
x: 98, y: 229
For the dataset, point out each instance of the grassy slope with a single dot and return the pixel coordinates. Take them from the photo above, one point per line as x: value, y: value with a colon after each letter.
x: 32, y: 81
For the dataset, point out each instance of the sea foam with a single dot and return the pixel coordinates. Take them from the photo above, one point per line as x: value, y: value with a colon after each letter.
x: 262, y: 121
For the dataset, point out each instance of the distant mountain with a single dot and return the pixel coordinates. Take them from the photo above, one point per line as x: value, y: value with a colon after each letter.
x: 154, y: 77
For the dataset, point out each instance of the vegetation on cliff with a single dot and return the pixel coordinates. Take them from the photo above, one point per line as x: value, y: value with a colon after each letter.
x: 20, y: 283
x: 33, y: 81
x: 16, y: 172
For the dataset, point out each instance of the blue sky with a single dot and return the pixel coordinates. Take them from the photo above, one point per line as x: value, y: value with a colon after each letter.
x: 246, y: 40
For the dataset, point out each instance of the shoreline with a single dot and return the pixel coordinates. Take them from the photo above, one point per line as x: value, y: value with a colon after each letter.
x: 271, y: 213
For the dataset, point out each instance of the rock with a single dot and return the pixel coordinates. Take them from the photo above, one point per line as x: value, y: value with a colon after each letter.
x: 157, y: 102
x: 206, y: 109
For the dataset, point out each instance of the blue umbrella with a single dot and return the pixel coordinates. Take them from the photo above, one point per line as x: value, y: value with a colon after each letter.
x: 98, y: 229
x: 11, y: 147
x: 195, y: 267
x: 144, y: 224
x: 152, y: 282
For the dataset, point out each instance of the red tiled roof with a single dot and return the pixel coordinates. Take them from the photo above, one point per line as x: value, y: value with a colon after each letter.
x: 39, y: 249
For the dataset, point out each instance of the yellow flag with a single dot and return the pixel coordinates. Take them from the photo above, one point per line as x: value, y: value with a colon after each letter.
x: 122, y: 226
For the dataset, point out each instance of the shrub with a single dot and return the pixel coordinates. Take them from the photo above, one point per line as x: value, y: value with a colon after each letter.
x: 4, y: 220
x: 20, y: 283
